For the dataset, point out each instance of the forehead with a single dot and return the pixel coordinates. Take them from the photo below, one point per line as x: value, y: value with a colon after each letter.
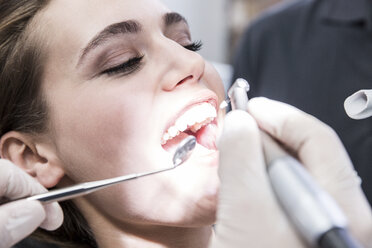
x: 89, y: 16
x: 70, y: 24
x: 98, y: 12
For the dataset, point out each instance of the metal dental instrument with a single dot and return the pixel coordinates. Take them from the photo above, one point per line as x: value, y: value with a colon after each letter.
x: 182, y: 153
x: 311, y: 210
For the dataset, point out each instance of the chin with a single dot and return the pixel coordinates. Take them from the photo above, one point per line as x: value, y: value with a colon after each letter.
x: 209, y: 206
x: 203, y: 218
x: 203, y: 210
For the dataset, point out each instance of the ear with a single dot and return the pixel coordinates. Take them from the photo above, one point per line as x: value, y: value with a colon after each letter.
x: 37, y: 158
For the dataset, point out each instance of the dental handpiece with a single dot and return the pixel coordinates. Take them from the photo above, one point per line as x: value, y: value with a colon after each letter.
x: 182, y: 153
x: 314, y: 214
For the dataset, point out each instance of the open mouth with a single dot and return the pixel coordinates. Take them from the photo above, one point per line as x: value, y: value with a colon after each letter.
x: 199, y: 121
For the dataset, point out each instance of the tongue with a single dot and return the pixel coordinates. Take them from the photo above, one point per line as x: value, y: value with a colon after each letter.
x: 207, y: 135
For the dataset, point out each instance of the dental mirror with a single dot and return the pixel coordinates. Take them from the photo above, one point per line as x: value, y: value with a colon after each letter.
x: 184, y: 150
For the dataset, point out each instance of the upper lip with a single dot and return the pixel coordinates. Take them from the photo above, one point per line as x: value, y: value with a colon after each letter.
x: 209, y: 97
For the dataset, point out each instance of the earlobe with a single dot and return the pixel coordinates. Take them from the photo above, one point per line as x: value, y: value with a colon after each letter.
x: 48, y: 170
x: 35, y: 158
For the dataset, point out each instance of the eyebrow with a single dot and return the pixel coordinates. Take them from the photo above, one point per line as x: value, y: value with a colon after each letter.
x: 110, y: 31
x: 125, y: 27
x: 173, y: 18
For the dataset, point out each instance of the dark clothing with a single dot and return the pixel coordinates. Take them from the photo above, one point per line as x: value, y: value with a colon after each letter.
x: 313, y: 54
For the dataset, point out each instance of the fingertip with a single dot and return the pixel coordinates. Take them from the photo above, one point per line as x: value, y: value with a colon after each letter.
x: 237, y: 117
x: 257, y: 103
x: 261, y: 107
x: 274, y: 116
x: 54, y: 217
x: 240, y: 144
x: 237, y: 123
x: 263, y: 110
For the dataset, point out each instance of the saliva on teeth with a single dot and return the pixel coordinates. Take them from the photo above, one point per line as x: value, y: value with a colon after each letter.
x: 193, y: 119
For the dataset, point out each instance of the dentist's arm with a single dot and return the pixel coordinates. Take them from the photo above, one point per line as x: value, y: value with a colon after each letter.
x: 20, y: 218
x: 248, y: 214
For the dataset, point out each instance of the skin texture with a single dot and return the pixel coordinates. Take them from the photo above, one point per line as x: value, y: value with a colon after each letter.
x: 102, y: 126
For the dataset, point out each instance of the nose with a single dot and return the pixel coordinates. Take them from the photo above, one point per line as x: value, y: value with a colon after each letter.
x: 181, y: 66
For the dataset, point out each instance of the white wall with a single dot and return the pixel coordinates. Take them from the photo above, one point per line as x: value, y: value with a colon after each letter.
x: 208, y: 22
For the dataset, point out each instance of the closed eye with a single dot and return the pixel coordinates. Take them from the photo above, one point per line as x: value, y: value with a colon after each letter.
x: 134, y: 64
x: 195, y: 46
x: 125, y: 68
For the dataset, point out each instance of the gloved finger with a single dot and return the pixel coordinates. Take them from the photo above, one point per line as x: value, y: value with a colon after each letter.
x: 241, y: 164
x: 306, y: 136
x: 15, y: 183
x: 247, y: 208
x: 322, y: 153
x: 19, y: 219
x: 54, y: 216
x: 240, y: 137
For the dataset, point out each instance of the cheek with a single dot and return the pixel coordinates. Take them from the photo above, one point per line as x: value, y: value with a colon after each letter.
x: 214, y: 81
x: 94, y: 131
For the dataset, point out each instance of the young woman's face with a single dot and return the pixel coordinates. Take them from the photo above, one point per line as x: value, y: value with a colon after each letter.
x: 121, y: 78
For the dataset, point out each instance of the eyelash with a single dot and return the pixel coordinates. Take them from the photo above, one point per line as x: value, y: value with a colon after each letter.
x: 195, y: 46
x: 134, y: 64
x: 125, y: 68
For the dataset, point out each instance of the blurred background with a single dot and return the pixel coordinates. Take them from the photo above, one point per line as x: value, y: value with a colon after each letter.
x: 219, y: 24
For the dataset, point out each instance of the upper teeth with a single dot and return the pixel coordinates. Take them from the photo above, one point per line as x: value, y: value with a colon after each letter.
x: 194, y: 119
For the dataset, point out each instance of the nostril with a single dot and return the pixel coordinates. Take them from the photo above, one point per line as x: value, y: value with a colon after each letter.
x: 185, y: 80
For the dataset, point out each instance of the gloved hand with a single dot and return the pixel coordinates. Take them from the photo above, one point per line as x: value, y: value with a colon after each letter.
x: 248, y: 213
x: 20, y: 218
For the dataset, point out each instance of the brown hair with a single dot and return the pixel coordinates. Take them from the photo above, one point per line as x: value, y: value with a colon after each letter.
x: 22, y: 106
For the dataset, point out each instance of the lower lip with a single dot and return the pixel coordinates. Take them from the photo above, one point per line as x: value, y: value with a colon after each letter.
x: 201, y: 156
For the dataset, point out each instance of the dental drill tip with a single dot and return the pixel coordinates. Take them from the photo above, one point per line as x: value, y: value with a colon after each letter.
x: 224, y: 104
x: 184, y: 150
